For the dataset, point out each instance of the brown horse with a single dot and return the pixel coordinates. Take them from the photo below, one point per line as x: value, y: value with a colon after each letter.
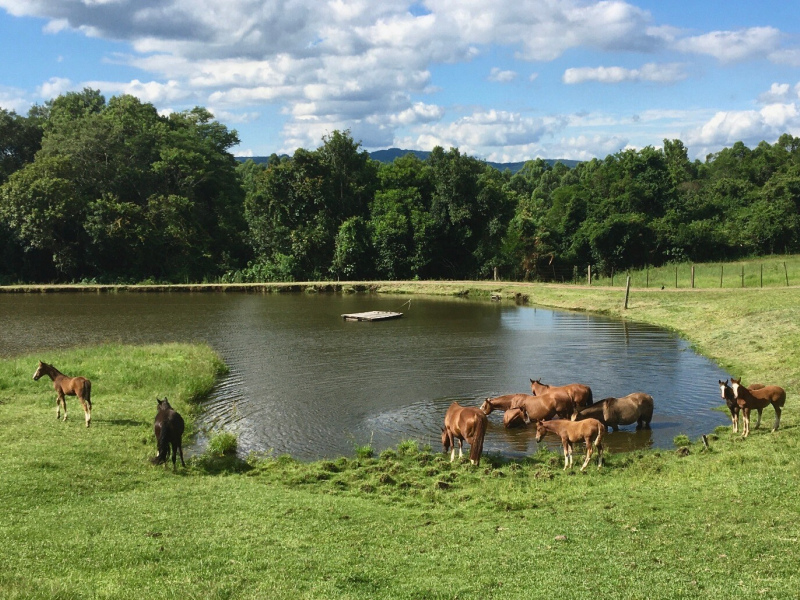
x: 726, y: 392
x: 613, y: 412
x: 464, y: 423
x: 750, y: 399
x: 70, y: 386
x: 575, y: 431
x: 512, y: 417
x: 545, y: 406
x: 168, y: 428
x: 580, y: 394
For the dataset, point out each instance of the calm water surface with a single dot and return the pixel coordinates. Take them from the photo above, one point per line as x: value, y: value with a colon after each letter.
x: 305, y: 382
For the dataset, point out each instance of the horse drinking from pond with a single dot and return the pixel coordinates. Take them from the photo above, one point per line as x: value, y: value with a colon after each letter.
x: 613, y: 412
x: 464, y: 423
x: 579, y: 393
x: 749, y: 399
x: 168, y: 428
x: 512, y: 416
x: 575, y: 431
x: 69, y: 386
x: 726, y: 392
x: 545, y: 406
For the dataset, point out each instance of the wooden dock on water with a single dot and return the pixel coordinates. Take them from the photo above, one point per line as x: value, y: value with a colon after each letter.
x: 373, y: 315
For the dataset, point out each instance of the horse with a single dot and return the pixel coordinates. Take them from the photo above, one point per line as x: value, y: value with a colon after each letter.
x: 579, y: 393
x: 758, y: 399
x: 168, y: 428
x: 726, y: 392
x: 464, y: 423
x: 575, y: 431
x: 512, y: 417
x: 545, y: 406
x: 613, y: 412
x: 70, y: 386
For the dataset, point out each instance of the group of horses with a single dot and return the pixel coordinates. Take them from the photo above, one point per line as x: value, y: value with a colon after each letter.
x: 168, y: 425
x: 567, y: 411
x: 570, y: 413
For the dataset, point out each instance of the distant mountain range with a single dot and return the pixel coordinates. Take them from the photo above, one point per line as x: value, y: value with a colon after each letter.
x: 387, y: 156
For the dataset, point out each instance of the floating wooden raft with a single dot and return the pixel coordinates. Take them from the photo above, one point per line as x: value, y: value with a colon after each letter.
x: 373, y: 315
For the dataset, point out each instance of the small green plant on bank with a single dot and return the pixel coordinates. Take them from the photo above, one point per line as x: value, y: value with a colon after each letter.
x: 681, y: 440
x: 223, y: 443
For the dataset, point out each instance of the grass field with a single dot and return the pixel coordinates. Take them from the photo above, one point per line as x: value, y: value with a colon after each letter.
x: 87, y: 516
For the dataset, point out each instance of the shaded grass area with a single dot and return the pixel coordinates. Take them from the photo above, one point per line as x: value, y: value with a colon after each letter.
x: 87, y: 516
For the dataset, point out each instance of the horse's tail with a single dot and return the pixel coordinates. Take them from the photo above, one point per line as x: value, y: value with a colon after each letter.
x: 600, y: 431
x: 163, y: 443
x: 476, y: 445
x: 88, y: 389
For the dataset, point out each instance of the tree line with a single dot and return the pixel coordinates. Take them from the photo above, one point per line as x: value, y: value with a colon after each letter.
x: 112, y: 191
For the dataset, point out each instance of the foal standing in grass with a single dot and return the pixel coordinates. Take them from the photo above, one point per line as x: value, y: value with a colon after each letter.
x: 748, y: 399
x: 70, y: 386
x: 575, y: 431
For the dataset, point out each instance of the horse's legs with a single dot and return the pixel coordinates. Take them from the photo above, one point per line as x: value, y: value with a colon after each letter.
x: 588, y: 452
x: 777, y: 418
x: 62, y: 402
x: 745, y: 422
x: 180, y: 449
x: 87, y: 411
x: 735, y: 420
x: 758, y: 423
x: 599, y: 455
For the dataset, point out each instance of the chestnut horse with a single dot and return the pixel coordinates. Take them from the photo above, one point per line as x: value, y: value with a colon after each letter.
x: 726, y: 392
x: 512, y: 417
x: 70, y: 386
x: 750, y: 399
x: 575, y: 431
x: 464, y: 423
x: 580, y: 394
x: 613, y: 412
x: 168, y: 428
x: 546, y: 406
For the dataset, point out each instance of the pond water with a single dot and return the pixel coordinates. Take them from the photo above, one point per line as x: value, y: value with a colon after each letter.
x: 305, y: 382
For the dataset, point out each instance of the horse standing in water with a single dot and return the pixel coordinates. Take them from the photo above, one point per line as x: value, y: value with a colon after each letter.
x: 575, y: 431
x: 168, y: 428
x: 758, y: 399
x: 726, y: 392
x: 464, y: 423
x: 512, y: 416
x: 70, y: 386
x: 579, y: 393
x: 546, y: 406
x: 613, y: 412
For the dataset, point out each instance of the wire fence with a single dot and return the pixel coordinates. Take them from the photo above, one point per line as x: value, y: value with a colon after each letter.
x: 782, y: 272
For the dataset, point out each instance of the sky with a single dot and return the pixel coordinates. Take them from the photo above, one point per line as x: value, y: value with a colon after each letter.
x: 502, y: 81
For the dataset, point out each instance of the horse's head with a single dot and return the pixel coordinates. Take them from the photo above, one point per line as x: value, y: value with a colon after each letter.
x: 537, y: 387
x: 446, y: 441
x: 735, y: 385
x: 163, y: 404
x: 724, y: 390
x: 541, y: 430
x: 39, y: 371
x: 487, y: 407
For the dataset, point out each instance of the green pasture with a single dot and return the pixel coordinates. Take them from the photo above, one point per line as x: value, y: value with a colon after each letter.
x: 87, y: 516
x: 765, y: 271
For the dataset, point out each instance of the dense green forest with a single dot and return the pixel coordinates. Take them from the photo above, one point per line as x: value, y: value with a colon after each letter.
x: 111, y: 191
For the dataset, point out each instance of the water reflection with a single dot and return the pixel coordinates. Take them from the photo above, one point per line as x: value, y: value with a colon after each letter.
x: 304, y: 381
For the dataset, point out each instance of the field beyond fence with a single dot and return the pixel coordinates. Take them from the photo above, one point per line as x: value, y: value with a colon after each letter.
x: 779, y: 271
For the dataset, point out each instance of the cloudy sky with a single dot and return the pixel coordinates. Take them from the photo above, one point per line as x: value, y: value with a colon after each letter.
x: 501, y: 80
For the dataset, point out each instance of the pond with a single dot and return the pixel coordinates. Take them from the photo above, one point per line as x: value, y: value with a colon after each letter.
x: 305, y: 382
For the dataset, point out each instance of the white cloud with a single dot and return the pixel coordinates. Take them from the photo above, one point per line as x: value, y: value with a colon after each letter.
x: 55, y: 86
x: 778, y: 92
x: 151, y: 91
x: 658, y: 73
x: 14, y: 99
x: 733, y: 46
x: 498, y: 75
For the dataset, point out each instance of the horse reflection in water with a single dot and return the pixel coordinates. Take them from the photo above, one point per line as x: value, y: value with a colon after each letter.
x: 67, y: 386
x: 464, y: 423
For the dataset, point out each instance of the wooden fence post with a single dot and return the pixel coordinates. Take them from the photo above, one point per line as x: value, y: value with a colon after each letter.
x: 676, y: 276
x: 692, y: 276
x: 786, y: 272
x: 762, y: 274
x: 721, y: 270
x: 589, y: 275
x: 627, y: 291
x: 742, y: 275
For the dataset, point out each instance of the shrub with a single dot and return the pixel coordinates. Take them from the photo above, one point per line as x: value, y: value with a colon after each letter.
x: 223, y: 443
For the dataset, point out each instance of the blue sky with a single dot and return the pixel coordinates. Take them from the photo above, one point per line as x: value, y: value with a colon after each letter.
x: 503, y: 81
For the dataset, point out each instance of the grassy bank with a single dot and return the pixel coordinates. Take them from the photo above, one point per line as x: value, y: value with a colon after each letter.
x: 86, y: 515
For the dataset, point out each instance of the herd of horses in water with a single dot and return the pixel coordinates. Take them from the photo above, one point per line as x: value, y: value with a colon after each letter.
x: 567, y: 411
